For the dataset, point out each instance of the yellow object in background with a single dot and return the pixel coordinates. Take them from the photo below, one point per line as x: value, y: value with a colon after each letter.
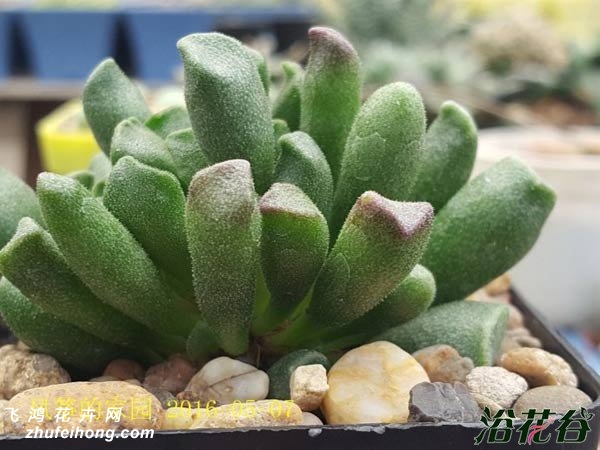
x: 66, y: 142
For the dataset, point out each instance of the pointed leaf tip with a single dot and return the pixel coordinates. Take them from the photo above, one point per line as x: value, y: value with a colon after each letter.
x: 402, y: 218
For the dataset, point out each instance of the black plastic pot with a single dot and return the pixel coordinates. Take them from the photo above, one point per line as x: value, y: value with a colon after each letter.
x: 375, y: 437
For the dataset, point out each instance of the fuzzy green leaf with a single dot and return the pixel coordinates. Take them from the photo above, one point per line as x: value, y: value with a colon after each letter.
x: 475, y: 329
x: 295, y: 242
x: 45, y: 333
x: 187, y: 155
x: 261, y: 65
x: 330, y: 93
x: 223, y: 228
x: 109, y: 97
x: 280, y: 127
x: 151, y: 205
x: 448, y: 156
x: 100, y: 166
x: 408, y: 300
x: 302, y: 163
x: 201, y: 343
x: 287, y: 104
x: 486, y: 228
x: 85, y: 177
x: 133, y: 138
x: 32, y: 262
x: 378, y: 246
x: 228, y: 106
x: 17, y: 200
x: 108, y: 259
x: 383, y: 148
x: 169, y: 121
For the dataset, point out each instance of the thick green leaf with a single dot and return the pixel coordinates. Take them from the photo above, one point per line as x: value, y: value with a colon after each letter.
x: 448, y: 156
x: 228, y: 106
x: 100, y: 166
x: 486, y: 228
x: 133, y: 138
x: 45, y: 333
x: 223, y: 228
x: 85, y: 177
x: 32, y: 262
x: 109, y: 97
x: 383, y: 148
x: 330, y: 93
x: 187, y: 155
x: 302, y: 163
x: 151, y: 205
x: 261, y: 66
x: 378, y: 246
x: 408, y: 300
x: 295, y: 242
x: 280, y: 127
x: 475, y: 329
x: 287, y: 104
x: 17, y: 200
x: 108, y: 259
x: 169, y: 121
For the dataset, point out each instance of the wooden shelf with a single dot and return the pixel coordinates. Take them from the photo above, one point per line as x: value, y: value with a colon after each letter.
x: 27, y: 89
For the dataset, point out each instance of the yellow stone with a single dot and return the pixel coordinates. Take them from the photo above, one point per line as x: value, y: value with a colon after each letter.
x: 98, y: 406
x: 371, y: 384
x: 263, y: 413
x: 178, y: 418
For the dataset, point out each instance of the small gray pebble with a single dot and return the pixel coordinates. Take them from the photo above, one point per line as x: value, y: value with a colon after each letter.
x: 442, y: 402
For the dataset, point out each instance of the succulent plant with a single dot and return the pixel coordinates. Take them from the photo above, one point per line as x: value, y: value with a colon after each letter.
x: 224, y: 229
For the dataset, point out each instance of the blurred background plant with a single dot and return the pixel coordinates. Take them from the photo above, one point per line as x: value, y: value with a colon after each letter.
x: 530, y: 62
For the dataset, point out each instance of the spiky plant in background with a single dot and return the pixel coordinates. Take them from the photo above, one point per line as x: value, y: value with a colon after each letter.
x: 233, y: 226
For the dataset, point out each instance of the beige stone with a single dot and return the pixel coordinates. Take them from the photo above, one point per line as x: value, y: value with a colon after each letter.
x: 310, y: 419
x: 558, y: 399
x: 139, y: 408
x: 6, y: 349
x: 124, y: 369
x: 484, y: 401
x: 444, y: 363
x: 499, y: 285
x: 226, y: 380
x: 3, y: 405
x: 179, y: 418
x: 517, y: 338
x: 308, y: 386
x: 515, y: 317
x: 263, y: 413
x: 497, y: 384
x: 172, y: 375
x: 20, y: 371
x: 539, y: 367
x: 371, y: 384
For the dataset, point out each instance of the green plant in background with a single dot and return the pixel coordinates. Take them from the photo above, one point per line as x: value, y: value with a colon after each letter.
x: 447, y: 50
x: 224, y: 229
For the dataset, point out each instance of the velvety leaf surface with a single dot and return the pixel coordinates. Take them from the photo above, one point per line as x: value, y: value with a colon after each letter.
x: 223, y: 228
x: 227, y: 103
x: 486, y: 228
x: 109, y: 97
x: 330, y: 93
